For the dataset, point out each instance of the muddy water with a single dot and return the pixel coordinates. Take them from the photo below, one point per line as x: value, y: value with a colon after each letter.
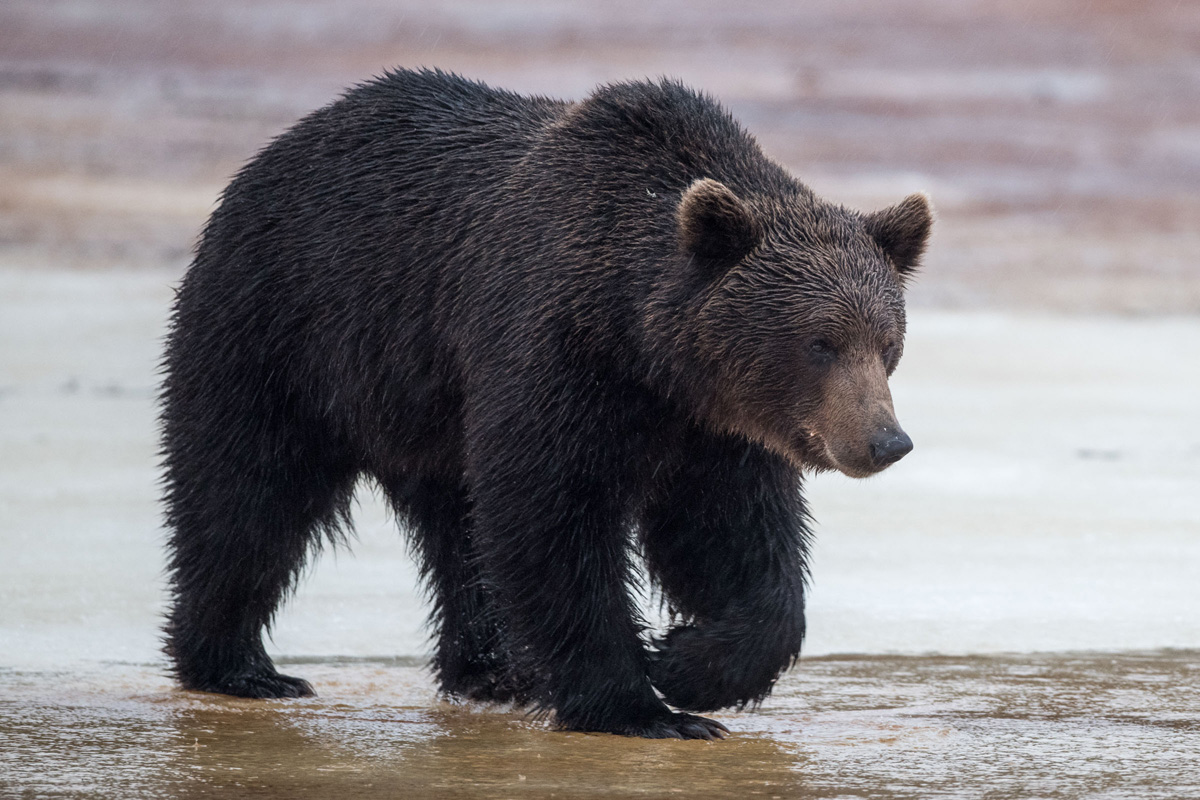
x: 1052, y: 726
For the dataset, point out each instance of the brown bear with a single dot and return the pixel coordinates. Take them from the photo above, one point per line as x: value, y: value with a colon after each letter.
x: 560, y: 337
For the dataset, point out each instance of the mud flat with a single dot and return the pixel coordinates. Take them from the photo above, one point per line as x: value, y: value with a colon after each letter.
x: 1030, y: 726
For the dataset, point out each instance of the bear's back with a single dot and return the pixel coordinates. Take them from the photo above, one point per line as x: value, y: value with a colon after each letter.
x: 338, y: 232
x: 409, y: 156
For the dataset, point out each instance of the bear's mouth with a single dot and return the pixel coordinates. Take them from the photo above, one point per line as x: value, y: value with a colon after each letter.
x: 816, y: 453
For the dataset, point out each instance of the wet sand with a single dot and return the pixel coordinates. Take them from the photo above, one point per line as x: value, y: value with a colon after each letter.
x: 1028, y: 726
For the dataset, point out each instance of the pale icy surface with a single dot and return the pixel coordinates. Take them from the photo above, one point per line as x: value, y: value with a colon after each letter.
x: 1052, y: 501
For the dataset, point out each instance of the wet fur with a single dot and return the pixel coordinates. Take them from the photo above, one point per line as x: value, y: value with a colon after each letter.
x: 490, y: 305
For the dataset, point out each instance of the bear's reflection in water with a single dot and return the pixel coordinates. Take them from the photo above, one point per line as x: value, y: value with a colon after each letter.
x: 457, y: 752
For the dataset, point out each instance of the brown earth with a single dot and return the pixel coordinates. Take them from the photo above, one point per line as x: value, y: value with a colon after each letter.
x: 1060, y: 139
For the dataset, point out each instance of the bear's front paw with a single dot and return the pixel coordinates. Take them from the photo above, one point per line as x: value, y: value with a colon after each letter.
x: 684, y: 726
x: 711, y: 667
x: 667, y: 725
x: 681, y: 726
x: 264, y: 685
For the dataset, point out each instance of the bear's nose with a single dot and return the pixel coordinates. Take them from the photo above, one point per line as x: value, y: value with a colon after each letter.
x: 889, y: 446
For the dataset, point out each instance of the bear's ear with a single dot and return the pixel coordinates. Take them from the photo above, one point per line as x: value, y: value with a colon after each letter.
x: 715, y: 225
x: 902, y: 231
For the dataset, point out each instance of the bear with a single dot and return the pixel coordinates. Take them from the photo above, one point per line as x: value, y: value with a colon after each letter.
x: 563, y: 339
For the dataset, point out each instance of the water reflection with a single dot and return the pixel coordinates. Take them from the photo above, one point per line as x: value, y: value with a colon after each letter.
x: 448, y: 751
x: 1067, y: 725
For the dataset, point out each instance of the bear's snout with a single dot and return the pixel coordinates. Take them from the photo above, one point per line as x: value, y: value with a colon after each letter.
x: 856, y: 423
x: 888, y: 446
x: 865, y: 454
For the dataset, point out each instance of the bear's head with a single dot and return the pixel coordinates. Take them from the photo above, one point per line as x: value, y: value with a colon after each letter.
x: 799, y: 319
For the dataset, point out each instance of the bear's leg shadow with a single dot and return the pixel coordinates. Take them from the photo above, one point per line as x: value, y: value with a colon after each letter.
x: 470, y: 659
x: 727, y: 543
x: 247, y: 497
x: 551, y: 463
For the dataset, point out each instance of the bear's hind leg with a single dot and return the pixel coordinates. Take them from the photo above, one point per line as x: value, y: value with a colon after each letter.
x: 244, y: 508
x: 470, y: 659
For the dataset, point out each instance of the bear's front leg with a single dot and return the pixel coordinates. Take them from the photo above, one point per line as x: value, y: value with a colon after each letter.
x: 726, y: 540
x: 553, y: 479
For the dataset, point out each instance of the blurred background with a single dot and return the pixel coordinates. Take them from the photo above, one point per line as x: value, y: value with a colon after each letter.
x: 1060, y: 139
x: 1051, y: 382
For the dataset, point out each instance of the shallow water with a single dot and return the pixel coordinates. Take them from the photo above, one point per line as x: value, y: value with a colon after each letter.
x: 1010, y: 726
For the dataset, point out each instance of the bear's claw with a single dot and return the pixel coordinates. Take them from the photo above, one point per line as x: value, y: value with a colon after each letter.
x: 684, y: 726
x: 264, y: 686
x: 674, y: 725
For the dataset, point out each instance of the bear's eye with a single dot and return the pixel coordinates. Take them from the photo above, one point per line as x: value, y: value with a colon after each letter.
x: 822, y: 351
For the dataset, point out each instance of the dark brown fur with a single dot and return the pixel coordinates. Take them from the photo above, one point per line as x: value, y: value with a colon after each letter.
x: 557, y: 336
